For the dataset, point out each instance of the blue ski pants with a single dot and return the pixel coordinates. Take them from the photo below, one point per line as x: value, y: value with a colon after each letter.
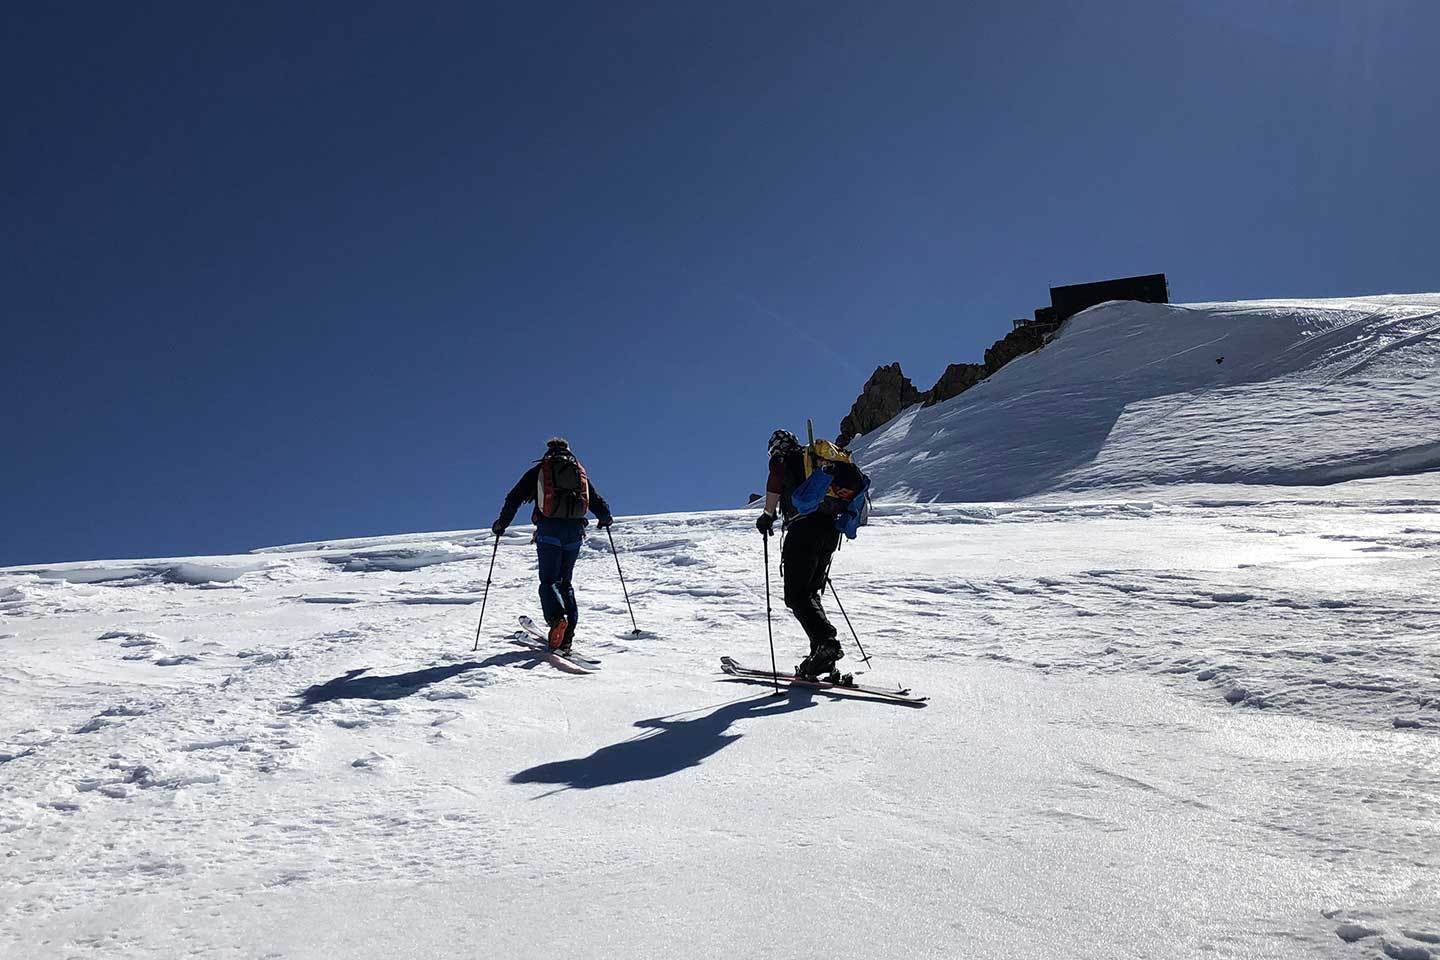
x: 556, y: 557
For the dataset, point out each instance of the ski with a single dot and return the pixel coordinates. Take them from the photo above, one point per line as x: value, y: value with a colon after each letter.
x: 900, y: 694
x: 543, y: 650
x: 540, y: 638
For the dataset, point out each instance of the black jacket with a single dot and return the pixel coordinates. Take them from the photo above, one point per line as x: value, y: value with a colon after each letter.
x: 786, y: 473
x: 524, y: 492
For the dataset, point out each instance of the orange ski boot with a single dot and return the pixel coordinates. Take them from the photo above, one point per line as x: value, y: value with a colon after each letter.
x: 557, y: 633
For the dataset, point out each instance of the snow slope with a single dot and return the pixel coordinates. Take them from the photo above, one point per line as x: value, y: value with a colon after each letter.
x: 1131, y: 394
x: 1200, y: 726
x: 1184, y: 702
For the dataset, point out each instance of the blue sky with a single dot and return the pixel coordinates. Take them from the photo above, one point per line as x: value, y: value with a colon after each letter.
x: 276, y: 272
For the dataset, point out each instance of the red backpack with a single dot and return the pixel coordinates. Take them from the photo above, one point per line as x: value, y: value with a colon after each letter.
x: 562, y: 490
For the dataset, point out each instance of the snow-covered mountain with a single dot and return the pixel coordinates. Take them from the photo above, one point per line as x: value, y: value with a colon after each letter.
x: 1131, y: 394
x: 1193, y: 719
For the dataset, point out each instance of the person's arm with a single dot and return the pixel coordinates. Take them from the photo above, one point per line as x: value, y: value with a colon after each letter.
x: 774, y: 485
x: 522, y: 492
x: 599, y: 507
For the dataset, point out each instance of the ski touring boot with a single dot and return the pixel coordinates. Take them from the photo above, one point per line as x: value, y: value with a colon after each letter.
x: 560, y: 635
x: 821, y: 662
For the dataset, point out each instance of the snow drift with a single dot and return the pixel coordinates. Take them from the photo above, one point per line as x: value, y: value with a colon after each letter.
x: 1287, y: 392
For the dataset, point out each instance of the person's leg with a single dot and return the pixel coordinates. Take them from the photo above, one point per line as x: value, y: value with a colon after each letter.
x: 566, y: 589
x: 804, y: 561
x: 824, y: 550
x: 551, y: 560
x: 826, y: 652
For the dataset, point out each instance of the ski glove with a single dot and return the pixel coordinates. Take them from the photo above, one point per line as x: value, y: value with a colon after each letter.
x: 498, y: 528
x: 602, y: 523
x: 765, y: 523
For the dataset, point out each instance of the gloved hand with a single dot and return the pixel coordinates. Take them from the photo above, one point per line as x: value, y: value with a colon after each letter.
x: 603, y: 523
x: 765, y: 523
x: 498, y: 528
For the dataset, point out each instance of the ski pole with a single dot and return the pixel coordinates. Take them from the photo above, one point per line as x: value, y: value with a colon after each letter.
x: 485, y: 599
x: 863, y: 657
x: 774, y: 670
x: 623, y: 589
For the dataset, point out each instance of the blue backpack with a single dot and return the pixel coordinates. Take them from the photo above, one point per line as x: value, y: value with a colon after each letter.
x: 835, y: 487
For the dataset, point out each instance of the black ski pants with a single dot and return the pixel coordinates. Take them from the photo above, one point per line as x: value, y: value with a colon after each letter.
x: 810, y: 542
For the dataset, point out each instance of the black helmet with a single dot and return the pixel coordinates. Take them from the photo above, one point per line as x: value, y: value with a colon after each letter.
x: 783, y: 442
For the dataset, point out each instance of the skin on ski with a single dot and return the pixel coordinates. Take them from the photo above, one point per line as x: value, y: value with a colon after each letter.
x: 557, y: 661
x: 734, y: 669
x: 539, y: 635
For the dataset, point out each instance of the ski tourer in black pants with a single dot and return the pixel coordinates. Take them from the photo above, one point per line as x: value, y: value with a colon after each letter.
x: 810, y: 541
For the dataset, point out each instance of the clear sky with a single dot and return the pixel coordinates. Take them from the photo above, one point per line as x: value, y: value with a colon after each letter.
x: 274, y: 272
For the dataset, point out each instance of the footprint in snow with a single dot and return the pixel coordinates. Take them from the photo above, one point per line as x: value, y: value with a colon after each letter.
x: 140, y: 640
x: 127, y: 710
x: 214, y: 744
x: 370, y: 761
x: 137, y: 645
x: 1351, y: 932
x: 176, y: 661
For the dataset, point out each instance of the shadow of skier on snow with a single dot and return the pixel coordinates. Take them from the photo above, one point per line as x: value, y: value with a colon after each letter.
x: 668, y: 746
x: 357, y: 685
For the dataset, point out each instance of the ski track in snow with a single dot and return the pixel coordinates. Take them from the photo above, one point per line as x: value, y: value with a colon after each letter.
x: 243, y: 762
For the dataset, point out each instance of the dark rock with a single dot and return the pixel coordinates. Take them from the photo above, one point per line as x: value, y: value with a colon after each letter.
x: 1016, y: 343
x: 886, y: 393
x: 957, y: 378
x: 889, y: 391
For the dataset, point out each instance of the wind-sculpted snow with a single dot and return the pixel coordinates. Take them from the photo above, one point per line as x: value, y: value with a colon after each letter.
x: 1197, y: 722
x: 1266, y: 392
x: 199, y: 571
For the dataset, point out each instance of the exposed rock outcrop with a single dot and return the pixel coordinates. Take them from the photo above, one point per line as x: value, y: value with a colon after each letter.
x: 885, y: 394
x: 889, y: 391
x: 1016, y: 343
x: 957, y: 378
